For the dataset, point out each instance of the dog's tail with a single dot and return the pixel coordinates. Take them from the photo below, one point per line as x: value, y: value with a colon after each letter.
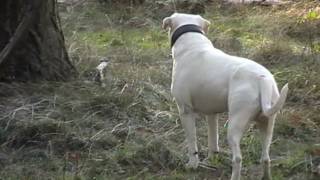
x: 267, y: 89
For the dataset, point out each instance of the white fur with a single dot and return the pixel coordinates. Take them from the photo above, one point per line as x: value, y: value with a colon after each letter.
x: 208, y: 81
x: 101, y: 68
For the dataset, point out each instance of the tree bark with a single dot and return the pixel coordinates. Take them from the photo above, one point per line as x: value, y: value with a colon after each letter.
x: 32, y: 45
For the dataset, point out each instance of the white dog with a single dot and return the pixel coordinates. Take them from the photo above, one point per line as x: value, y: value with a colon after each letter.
x: 205, y: 80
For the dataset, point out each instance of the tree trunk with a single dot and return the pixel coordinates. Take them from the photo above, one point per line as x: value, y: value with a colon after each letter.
x: 31, y: 42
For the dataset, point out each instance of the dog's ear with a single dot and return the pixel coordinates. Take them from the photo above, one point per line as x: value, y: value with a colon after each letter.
x: 206, y: 25
x: 167, y: 23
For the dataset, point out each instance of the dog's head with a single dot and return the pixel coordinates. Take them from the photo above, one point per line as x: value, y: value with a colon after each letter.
x: 179, y: 19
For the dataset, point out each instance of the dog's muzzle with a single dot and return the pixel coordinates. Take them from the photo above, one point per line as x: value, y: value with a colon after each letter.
x: 184, y: 29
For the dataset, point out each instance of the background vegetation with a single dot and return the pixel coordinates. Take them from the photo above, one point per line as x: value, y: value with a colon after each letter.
x: 130, y: 129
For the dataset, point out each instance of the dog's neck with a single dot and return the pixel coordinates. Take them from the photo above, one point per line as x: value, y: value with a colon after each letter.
x: 184, y: 29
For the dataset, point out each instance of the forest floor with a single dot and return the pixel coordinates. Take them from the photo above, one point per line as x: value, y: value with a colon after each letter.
x: 130, y: 128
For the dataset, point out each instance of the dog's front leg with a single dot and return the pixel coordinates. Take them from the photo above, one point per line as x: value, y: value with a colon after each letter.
x: 188, y: 124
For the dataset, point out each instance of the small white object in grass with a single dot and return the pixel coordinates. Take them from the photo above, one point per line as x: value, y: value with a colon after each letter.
x: 103, y: 64
x: 101, y: 68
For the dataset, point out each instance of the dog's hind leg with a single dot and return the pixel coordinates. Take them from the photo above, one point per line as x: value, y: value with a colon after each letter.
x: 213, y: 134
x: 188, y: 123
x: 239, y: 118
x: 265, y: 124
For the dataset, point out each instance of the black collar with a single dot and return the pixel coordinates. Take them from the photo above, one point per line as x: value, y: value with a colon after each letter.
x: 184, y: 29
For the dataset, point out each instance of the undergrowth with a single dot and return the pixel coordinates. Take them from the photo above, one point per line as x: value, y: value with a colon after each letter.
x: 130, y: 128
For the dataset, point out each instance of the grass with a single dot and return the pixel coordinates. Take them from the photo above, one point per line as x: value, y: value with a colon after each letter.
x: 130, y: 129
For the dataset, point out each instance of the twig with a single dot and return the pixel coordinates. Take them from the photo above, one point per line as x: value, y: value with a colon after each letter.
x: 207, y: 166
x: 97, y: 134
x: 115, y: 127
